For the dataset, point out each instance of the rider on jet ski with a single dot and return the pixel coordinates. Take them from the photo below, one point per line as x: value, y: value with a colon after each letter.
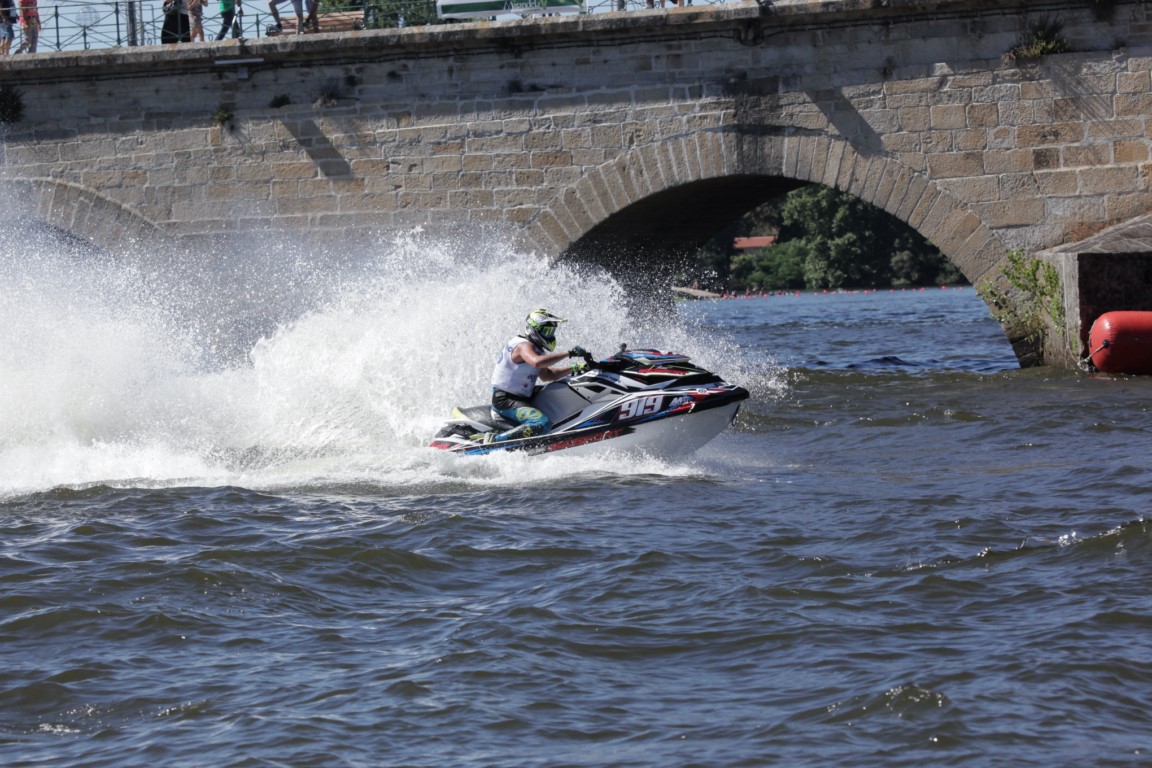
x: 523, y: 360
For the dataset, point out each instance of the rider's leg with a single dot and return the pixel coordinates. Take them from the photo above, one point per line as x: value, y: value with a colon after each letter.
x: 531, y: 421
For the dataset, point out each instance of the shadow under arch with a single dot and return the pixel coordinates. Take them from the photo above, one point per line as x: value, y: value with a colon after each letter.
x: 80, y: 213
x: 652, y: 204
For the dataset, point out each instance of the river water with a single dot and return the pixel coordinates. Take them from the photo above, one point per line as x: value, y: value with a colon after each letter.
x: 222, y: 542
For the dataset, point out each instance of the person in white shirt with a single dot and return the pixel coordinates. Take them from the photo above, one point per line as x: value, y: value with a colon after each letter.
x: 523, y: 361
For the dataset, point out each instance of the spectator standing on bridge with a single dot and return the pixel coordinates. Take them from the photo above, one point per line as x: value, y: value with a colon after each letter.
x: 196, y: 15
x: 8, y: 19
x: 297, y: 5
x: 227, y: 16
x: 30, y: 24
x: 176, y: 24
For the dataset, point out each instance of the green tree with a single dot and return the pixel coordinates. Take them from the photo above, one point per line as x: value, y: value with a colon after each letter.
x: 783, y: 267
x: 847, y: 245
x: 775, y: 268
x: 911, y: 266
x: 825, y: 239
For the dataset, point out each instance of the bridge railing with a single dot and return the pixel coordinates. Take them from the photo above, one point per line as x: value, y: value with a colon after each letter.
x: 69, y: 25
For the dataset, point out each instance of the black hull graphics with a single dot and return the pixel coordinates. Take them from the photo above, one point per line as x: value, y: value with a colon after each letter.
x: 645, y: 401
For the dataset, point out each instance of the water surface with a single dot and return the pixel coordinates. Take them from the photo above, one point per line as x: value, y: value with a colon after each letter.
x: 223, y: 543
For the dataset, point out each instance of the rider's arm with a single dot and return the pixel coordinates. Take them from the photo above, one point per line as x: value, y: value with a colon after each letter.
x: 526, y: 353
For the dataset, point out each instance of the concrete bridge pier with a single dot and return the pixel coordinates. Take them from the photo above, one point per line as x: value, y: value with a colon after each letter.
x: 1108, y: 272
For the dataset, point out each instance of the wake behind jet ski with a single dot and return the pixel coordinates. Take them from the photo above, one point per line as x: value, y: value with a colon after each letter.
x: 643, y: 400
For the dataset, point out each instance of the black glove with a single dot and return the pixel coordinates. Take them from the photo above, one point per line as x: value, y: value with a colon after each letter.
x: 579, y: 367
x: 579, y: 352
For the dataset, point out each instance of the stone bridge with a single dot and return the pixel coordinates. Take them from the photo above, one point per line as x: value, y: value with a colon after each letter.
x: 622, y: 137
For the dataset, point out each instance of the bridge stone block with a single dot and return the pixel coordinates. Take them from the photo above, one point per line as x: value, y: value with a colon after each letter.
x: 839, y: 174
x: 1056, y: 183
x: 560, y: 178
x: 915, y: 119
x: 924, y: 205
x: 1127, y: 206
x: 552, y: 234
x: 1008, y: 161
x: 591, y: 201
x: 1129, y: 152
x: 938, y: 143
x: 981, y: 189
x: 1017, y: 186
x: 1086, y: 155
x: 890, y: 176
x: 977, y: 256
x: 907, y: 202
x: 610, y: 190
x: 817, y: 155
x: 1012, y: 213
x: 1050, y: 134
x: 1133, y: 105
x: 685, y: 161
x: 904, y: 145
x: 1101, y: 180
x: 956, y: 164
x: 956, y: 229
x: 622, y: 183
x: 512, y: 197
x: 1133, y: 82
x: 864, y: 174
x: 970, y: 140
x: 550, y: 159
x: 948, y: 116
x: 568, y: 219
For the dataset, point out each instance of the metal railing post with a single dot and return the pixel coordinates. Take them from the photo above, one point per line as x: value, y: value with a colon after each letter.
x: 132, y: 42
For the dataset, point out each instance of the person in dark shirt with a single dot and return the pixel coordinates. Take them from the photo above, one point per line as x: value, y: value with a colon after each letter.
x: 177, y: 26
x: 227, y: 17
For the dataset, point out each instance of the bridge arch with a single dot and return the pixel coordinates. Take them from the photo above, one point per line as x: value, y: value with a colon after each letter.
x: 672, y: 198
x: 80, y: 212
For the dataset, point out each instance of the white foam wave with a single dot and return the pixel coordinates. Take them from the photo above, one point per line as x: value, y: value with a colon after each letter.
x: 278, y: 366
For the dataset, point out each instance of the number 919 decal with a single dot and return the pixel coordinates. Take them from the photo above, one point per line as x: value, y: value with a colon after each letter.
x: 634, y: 409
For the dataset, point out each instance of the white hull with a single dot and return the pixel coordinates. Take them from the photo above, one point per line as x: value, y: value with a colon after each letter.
x: 671, y: 438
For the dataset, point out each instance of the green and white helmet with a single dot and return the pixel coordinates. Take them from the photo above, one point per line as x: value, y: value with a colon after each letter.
x: 541, y: 327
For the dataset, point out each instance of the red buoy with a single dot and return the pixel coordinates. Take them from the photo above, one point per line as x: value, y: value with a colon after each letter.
x: 1121, y: 342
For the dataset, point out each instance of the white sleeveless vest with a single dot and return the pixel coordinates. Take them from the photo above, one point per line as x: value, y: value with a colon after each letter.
x: 517, y: 378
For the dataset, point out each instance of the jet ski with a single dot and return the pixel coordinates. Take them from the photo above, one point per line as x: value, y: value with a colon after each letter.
x: 640, y: 400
